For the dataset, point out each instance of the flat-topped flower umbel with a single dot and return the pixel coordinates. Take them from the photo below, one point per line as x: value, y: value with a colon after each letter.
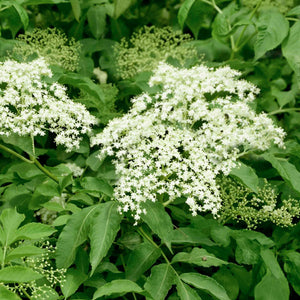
x: 30, y: 106
x: 173, y: 144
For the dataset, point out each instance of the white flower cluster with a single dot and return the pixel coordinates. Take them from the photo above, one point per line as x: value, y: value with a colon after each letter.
x: 173, y: 144
x: 76, y: 170
x: 31, y: 106
x: 48, y: 216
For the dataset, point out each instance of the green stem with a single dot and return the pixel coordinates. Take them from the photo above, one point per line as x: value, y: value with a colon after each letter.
x: 134, y: 296
x: 34, y: 161
x: 280, y: 111
x: 49, y: 174
x: 43, y: 169
x: 15, y: 154
x: 32, y: 144
x: 244, y: 153
x: 238, y: 47
x: 292, y: 19
x: 25, y: 293
x: 4, y: 255
x: 4, y: 8
x: 167, y: 202
x: 219, y: 10
x: 226, y: 220
x: 144, y: 234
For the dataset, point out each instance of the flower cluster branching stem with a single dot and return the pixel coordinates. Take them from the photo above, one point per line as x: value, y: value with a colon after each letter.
x: 34, y: 160
x: 15, y: 154
x: 26, y: 294
x: 283, y: 110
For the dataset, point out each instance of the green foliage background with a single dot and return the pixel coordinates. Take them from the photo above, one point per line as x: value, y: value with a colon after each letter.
x: 170, y: 254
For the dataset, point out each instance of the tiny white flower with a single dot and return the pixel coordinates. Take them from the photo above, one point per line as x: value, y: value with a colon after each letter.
x: 31, y: 106
x: 175, y: 143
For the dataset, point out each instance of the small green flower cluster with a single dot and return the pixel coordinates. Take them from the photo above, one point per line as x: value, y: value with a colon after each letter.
x: 282, y: 5
x: 52, y: 45
x: 241, y: 204
x: 150, y: 46
x: 43, y: 265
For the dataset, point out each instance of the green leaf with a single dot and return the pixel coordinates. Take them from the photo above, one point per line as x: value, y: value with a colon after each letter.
x: 254, y: 236
x: 54, y: 206
x: 95, y: 184
x: 247, y: 251
x: 247, y: 176
x: 206, y: 284
x: 160, y: 281
x: 228, y: 281
x: 82, y: 198
x: 96, y: 16
x: 292, y: 268
x: 74, y: 278
x: 188, y: 235
x: 93, y: 160
x: 22, y: 142
x: 272, y: 29
x: 61, y: 220
x: 120, y: 6
x: 22, y: 251
x: 120, y: 287
x: 35, y: 231
x: 73, y: 235
x: 212, y: 49
x: 199, y: 16
x: 8, y: 295
x: 84, y: 83
x: 184, y: 11
x: 271, y: 288
x: 199, y: 257
x: 159, y: 221
x: 243, y: 277
x: 285, y: 169
x: 283, y: 97
x: 107, y: 266
x: 103, y: 231
x: 185, y: 292
x: 290, y: 49
x: 130, y: 240
x: 271, y: 263
x: 47, y: 189
x: 38, y: 2
x: 18, y: 274
x: 295, y: 11
x: 221, y: 26
x: 76, y: 9
x: 65, y: 181
x: 140, y: 260
x: 221, y: 235
x: 273, y: 285
x: 11, y: 18
x: 10, y: 220
x: 22, y: 14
